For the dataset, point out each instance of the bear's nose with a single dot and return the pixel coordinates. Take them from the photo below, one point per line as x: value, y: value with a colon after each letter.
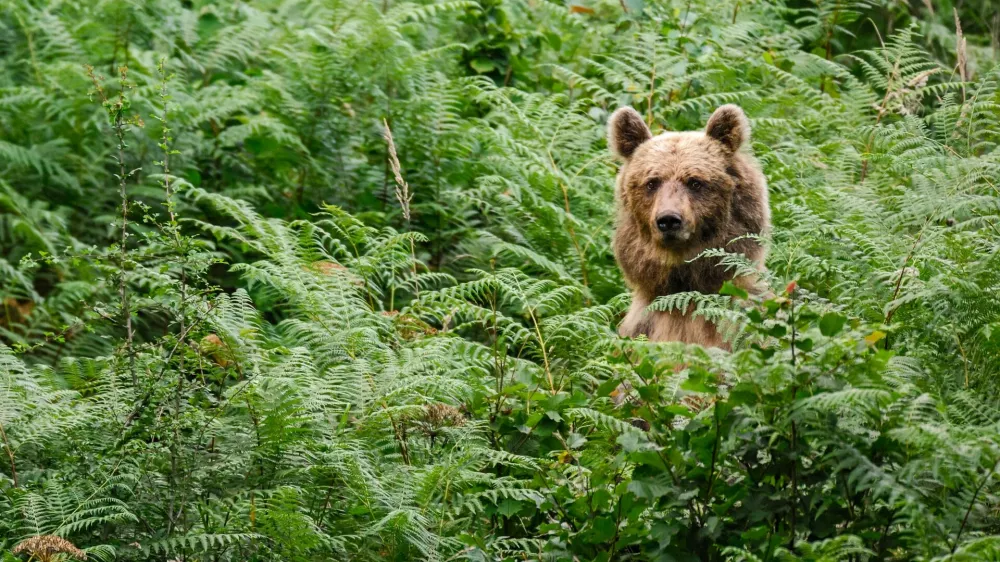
x: 669, y: 222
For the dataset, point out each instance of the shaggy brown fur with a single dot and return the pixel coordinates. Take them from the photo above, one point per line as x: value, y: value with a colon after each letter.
x: 679, y: 194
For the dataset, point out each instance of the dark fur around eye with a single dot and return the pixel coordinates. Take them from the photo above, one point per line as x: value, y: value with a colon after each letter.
x: 651, y: 185
x: 695, y: 184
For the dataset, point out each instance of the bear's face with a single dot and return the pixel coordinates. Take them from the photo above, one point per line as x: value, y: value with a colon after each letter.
x: 678, y: 187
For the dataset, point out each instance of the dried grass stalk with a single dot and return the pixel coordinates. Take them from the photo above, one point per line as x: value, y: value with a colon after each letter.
x: 402, y: 189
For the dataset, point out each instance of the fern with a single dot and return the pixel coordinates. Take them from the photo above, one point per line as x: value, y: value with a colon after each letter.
x: 265, y: 357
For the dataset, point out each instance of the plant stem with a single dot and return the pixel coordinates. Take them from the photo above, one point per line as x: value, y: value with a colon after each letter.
x: 10, y: 454
x: 126, y: 309
x: 116, y: 112
x: 715, y: 452
x: 972, y: 504
x: 899, y: 278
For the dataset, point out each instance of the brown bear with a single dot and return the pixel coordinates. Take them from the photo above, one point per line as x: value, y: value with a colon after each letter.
x: 679, y: 194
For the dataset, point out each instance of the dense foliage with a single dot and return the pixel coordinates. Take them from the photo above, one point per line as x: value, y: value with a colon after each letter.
x: 332, y: 279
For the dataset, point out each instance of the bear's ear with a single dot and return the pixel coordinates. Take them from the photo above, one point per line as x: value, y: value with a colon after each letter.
x: 626, y: 131
x: 730, y: 126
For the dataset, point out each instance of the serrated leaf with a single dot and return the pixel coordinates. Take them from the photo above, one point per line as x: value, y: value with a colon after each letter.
x: 874, y: 337
x: 831, y: 323
x: 732, y: 290
x: 649, y: 488
x: 482, y: 65
x: 508, y: 507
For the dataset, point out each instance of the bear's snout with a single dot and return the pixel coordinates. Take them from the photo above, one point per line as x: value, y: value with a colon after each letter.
x: 675, y: 233
x: 669, y: 223
x: 671, y: 215
x: 674, y: 229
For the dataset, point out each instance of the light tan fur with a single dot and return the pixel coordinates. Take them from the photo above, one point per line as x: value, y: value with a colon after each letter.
x: 674, y: 325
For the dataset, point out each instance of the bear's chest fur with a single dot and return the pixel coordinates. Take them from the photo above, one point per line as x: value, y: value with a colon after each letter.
x: 675, y: 325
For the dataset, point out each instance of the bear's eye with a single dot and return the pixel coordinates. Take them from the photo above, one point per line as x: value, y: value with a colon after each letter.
x: 695, y: 184
x: 652, y: 184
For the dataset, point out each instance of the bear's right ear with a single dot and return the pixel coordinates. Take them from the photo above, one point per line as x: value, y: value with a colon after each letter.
x: 626, y: 131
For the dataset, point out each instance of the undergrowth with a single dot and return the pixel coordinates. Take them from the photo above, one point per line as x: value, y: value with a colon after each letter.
x: 324, y: 279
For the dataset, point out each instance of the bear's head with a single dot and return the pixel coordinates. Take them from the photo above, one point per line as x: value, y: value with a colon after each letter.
x: 678, y: 188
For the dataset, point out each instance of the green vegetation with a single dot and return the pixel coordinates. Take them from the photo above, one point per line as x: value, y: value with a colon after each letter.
x: 241, y: 323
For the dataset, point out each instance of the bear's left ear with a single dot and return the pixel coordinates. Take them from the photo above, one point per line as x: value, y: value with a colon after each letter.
x: 730, y: 126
